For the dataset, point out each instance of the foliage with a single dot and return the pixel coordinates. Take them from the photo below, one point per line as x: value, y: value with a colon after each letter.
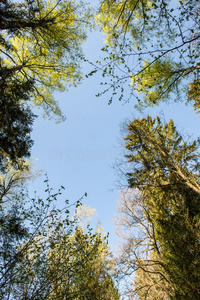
x: 163, y: 204
x: 44, y: 253
x: 40, y: 53
x: 15, y: 122
x: 138, y: 263
x: 41, y: 42
x: 154, y: 47
x: 85, y: 269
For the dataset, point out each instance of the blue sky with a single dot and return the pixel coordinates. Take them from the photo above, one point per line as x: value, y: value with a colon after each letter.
x: 80, y: 152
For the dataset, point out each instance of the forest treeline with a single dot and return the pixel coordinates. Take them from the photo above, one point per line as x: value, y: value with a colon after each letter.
x: 152, y: 49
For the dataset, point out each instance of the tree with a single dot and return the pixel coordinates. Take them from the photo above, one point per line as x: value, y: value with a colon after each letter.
x: 164, y: 176
x: 44, y: 252
x: 138, y: 263
x: 12, y: 225
x: 41, y: 42
x: 40, y: 53
x: 63, y: 262
x: 85, y: 267
x: 12, y: 231
x: 16, y: 121
x: 154, y: 47
x: 21, y: 220
x: 11, y: 183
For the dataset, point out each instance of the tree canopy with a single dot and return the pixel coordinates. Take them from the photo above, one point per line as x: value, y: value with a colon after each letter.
x: 154, y: 47
x: 40, y: 53
x: 45, y: 254
x: 85, y: 269
x: 41, y: 42
x: 163, y: 204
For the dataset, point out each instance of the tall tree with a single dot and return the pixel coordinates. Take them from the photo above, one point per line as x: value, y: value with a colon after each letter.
x: 85, y: 267
x: 63, y: 262
x: 40, y: 52
x: 41, y: 41
x: 165, y: 172
x: 138, y: 263
x: 154, y: 47
x: 44, y: 253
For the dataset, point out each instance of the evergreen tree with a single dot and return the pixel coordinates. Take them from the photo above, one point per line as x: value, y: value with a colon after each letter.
x: 16, y: 121
x: 165, y: 171
x: 82, y: 268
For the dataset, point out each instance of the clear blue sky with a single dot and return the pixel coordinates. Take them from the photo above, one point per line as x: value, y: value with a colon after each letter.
x: 80, y: 152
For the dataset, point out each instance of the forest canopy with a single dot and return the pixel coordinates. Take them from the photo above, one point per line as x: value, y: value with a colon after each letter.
x: 40, y: 53
x: 41, y: 42
x: 158, y: 216
x: 153, y: 46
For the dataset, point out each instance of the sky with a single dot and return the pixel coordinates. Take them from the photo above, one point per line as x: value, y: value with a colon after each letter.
x: 80, y: 153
